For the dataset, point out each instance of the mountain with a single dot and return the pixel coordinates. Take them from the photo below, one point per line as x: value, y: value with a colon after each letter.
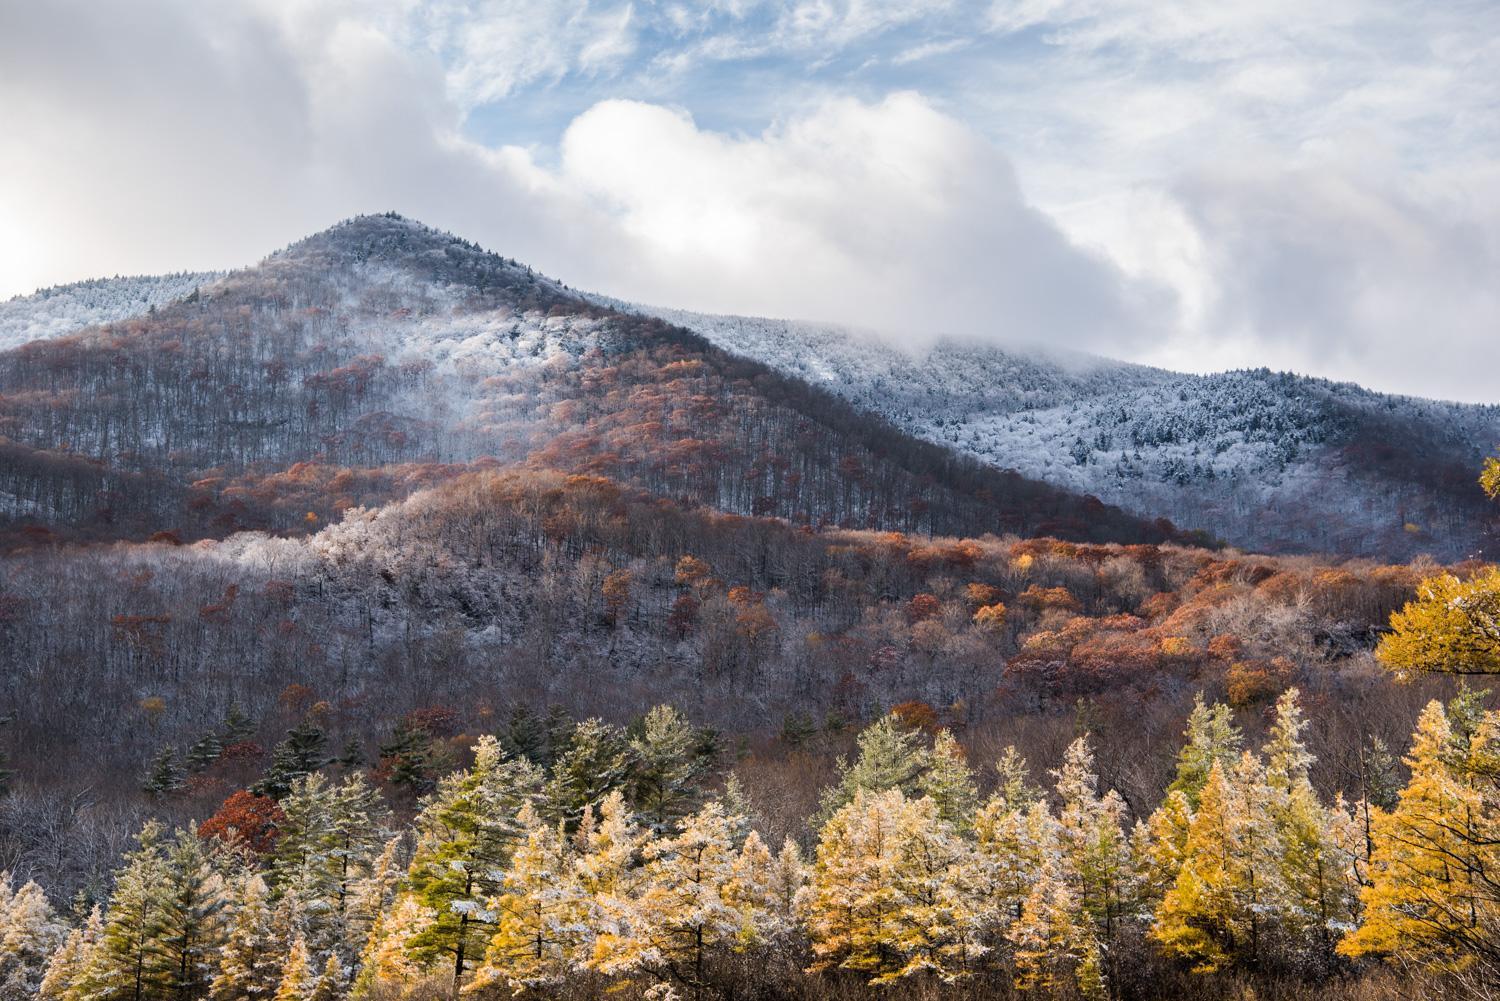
x: 415, y: 354
x: 1269, y: 461
x: 382, y: 356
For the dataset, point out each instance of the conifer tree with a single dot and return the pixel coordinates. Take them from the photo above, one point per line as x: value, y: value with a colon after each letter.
x: 1432, y: 896
x: 1012, y: 842
x: 250, y: 961
x: 1054, y: 951
x: 465, y: 834
x: 30, y: 933
x: 164, y: 775
x: 538, y: 938
x: 683, y: 912
x: 189, y: 930
x: 68, y: 965
x: 1093, y: 850
x: 1315, y: 867
x: 298, y: 982
x: 950, y: 782
x: 392, y: 959
x: 666, y: 769
x: 595, y: 762
x: 303, y: 752
x: 1211, y: 737
x: 889, y: 894
x: 891, y: 756
x: 127, y: 965
x: 1159, y: 844
x: 331, y: 982
x: 1228, y: 888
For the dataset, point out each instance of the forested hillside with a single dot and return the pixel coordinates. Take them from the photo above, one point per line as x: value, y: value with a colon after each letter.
x: 381, y: 354
x: 1269, y: 461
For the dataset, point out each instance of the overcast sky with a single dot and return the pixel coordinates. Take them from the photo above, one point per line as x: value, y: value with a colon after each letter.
x: 1200, y: 184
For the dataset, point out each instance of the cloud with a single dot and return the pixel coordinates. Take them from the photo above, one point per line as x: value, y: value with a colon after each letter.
x: 1337, y: 272
x: 890, y: 215
x: 1201, y: 185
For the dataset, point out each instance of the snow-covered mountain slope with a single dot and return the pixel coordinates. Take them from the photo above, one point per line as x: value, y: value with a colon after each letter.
x: 468, y: 344
x: 59, y: 311
x: 1269, y: 461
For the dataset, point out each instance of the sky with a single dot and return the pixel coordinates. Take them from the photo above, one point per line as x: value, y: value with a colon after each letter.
x: 1195, y: 184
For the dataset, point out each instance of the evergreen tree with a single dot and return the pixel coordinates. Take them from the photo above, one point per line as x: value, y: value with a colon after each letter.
x: 30, y: 933
x: 682, y: 913
x: 1227, y: 890
x: 950, y: 782
x: 68, y: 965
x: 1093, y: 850
x: 1054, y: 951
x: 188, y: 932
x: 666, y: 769
x: 1211, y: 737
x: 303, y: 752
x: 298, y: 982
x: 596, y: 761
x: 465, y: 834
x: 127, y: 963
x: 236, y: 727
x: 538, y: 938
x: 164, y: 775
x: 1432, y: 896
x: 204, y: 752
x: 250, y: 961
x: 1160, y: 847
x: 891, y: 756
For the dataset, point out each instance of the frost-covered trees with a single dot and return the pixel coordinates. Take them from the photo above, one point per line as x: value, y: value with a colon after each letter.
x: 1049, y: 892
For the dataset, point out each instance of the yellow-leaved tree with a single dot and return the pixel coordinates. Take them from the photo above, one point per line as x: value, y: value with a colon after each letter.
x: 1433, y: 896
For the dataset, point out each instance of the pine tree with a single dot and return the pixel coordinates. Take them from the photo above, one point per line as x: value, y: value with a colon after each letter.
x: 595, y: 762
x: 1315, y: 868
x: 164, y: 775
x: 392, y: 958
x: 303, y: 752
x: 1228, y: 888
x: 68, y: 965
x: 298, y: 982
x: 1160, y: 847
x: 30, y: 933
x: 1211, y: 737
x: 328, y: 842
x: 1093, y: 850
x: 891, y: 756
x: 894, y: 891
x: 465, y: 834
x: 251, y: 959
x: 538, y: 938
x: 765, y: 889
x: 204, y: 752
x: 331, y: 982
x: 1432, y: 896
x: 950, y: 782
x: 1054, y: 951
x: 127, y: 964
x: 237, y: 727
x: 681, y: 914
x: 188, y: 932
x: 666, y: 770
